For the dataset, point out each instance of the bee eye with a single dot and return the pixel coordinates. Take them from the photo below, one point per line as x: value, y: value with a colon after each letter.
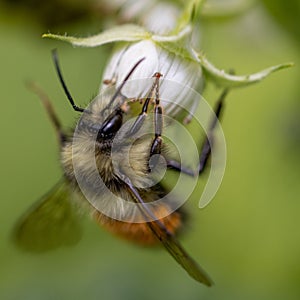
x: 111, y: 125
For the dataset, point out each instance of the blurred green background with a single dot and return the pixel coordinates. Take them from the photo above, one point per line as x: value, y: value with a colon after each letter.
x: 247, y: 239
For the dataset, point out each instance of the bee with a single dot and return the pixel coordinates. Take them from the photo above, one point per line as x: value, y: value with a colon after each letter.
x: 94, y: 153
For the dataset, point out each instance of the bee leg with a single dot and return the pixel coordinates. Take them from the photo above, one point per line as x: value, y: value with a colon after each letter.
x: 146, y: 211
x: 209, y: 141
x: 141, y: 117
x: 167, y: 238
x: 49, y: 109
x: 175, y: 165
x: 207, y: 145
x: 158, y: 125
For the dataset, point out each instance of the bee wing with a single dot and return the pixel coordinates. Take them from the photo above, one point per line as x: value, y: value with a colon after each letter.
x: 50, y: 223
x: 169, y: 241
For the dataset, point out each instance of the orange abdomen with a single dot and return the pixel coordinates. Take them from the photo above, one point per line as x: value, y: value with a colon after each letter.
x: 140, y: 233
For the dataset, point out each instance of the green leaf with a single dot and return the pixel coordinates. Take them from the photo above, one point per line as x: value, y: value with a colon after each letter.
x: 127, y: 33
x: 220, y: 77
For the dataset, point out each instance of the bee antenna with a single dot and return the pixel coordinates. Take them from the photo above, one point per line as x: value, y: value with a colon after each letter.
x: 61, y: 79
x: 123, y: 83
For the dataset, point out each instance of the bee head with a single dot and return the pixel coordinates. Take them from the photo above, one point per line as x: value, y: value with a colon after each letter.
x: 111, y: 125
